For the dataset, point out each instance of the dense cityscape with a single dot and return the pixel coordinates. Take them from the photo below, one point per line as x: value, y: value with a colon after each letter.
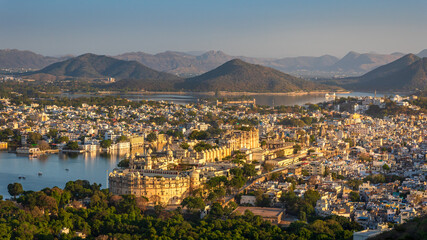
x: 295, y: 167
x: 240, y: 120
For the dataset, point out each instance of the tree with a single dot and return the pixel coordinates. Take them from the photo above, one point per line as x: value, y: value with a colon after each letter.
x: 185, y: 145
x: 349, y: 141
x: 249, y: 170
x: 152, y: 137
x: 311, y: 196
x: 15, y: 189
x: 354, y: 183
x: 199, y: 135
x: 34, y: 137
x: 386, y: 168
x: 53, y: 133
x: 302, y: 216
x: 106, y: 143
x: 216, y: 210
x: 63, y: 139
x: 305, y: 172
x: 123, y: 163
x: 237, y: 182
x: 193, y: 203
x: 200, y: 146
x: 263, y: 200
x: 43, y: 145
x: 263, y: 143
x: 158, y: 209
x: 354, y: 196
x: 275, y: 176
x: 192, y: 113
x: 72, y: 146
x: 175, y: 133
x: 297, y: 148
x: 5, y: 134
x: 122, y: 138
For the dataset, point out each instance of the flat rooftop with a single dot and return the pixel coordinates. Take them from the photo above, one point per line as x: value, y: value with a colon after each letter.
x: 261, y: 211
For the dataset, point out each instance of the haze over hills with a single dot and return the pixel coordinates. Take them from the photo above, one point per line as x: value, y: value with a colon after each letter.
x: 352, y: 64
x: 407, y: 73
x: 233, y: 76
x: 239, y: 76
x: 362, y: 63
x: 291, y: 64
x: 179, y: 63
x: 422, y: 54
x: 12, y: 58
x: 195, y: 63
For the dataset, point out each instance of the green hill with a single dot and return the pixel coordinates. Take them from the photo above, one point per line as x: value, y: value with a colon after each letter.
x: 239, y: 76
x: 414, y: 229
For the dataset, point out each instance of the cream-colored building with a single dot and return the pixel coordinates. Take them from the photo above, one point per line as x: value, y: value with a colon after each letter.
x: 237, y: 140
x: 315, y: 168
x: 159, y: 186
x: 148, y: 177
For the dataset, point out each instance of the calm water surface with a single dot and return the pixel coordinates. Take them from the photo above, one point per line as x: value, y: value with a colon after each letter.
x: 276, y: 100
x: 90, y: 167
x: 270, y: 100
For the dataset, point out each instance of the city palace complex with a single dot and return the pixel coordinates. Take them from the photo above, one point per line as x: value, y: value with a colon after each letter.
x: 367, y: 168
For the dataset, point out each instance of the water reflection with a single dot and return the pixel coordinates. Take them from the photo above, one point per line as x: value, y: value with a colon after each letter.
x: 56, y: 169
x: 43, y: 158
x: 265, y: 99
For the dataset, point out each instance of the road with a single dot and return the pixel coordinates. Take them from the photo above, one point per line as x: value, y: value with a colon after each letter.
x: 253, y: 181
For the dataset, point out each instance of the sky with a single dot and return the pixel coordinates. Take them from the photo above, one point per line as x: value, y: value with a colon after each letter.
x: 256, y: 28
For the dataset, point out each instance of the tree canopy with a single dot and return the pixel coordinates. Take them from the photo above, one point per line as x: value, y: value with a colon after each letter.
x: 44, y: 213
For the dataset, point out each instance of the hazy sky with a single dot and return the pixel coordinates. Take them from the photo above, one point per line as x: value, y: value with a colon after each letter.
x: 260, y: 28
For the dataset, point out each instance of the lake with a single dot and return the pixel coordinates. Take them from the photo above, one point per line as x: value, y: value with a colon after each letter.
x: 264, y: 99
x: 92, y: 167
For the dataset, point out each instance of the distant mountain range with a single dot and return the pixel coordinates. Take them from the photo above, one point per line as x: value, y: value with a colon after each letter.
x: 189, y: 65
x: 239, y: 76
x: 219, y: 71
x: 234, y: 76
x: 193, y: 63
x: 408, y: 73
x: 361, y: 63
x: 179, y: 63
x: 12, y: 58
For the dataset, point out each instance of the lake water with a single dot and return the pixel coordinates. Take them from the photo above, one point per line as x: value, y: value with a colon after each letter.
x: 94, y: 167
x: 90, y: 167
x: 277, y: 100
x: 270, y: 100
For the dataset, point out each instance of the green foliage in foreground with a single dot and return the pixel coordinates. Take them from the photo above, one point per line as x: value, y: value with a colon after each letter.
x: 414, y: 229
x: 42, y: 215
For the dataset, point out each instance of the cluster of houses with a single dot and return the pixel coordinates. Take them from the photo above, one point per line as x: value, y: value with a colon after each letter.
x: 387, y: 156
